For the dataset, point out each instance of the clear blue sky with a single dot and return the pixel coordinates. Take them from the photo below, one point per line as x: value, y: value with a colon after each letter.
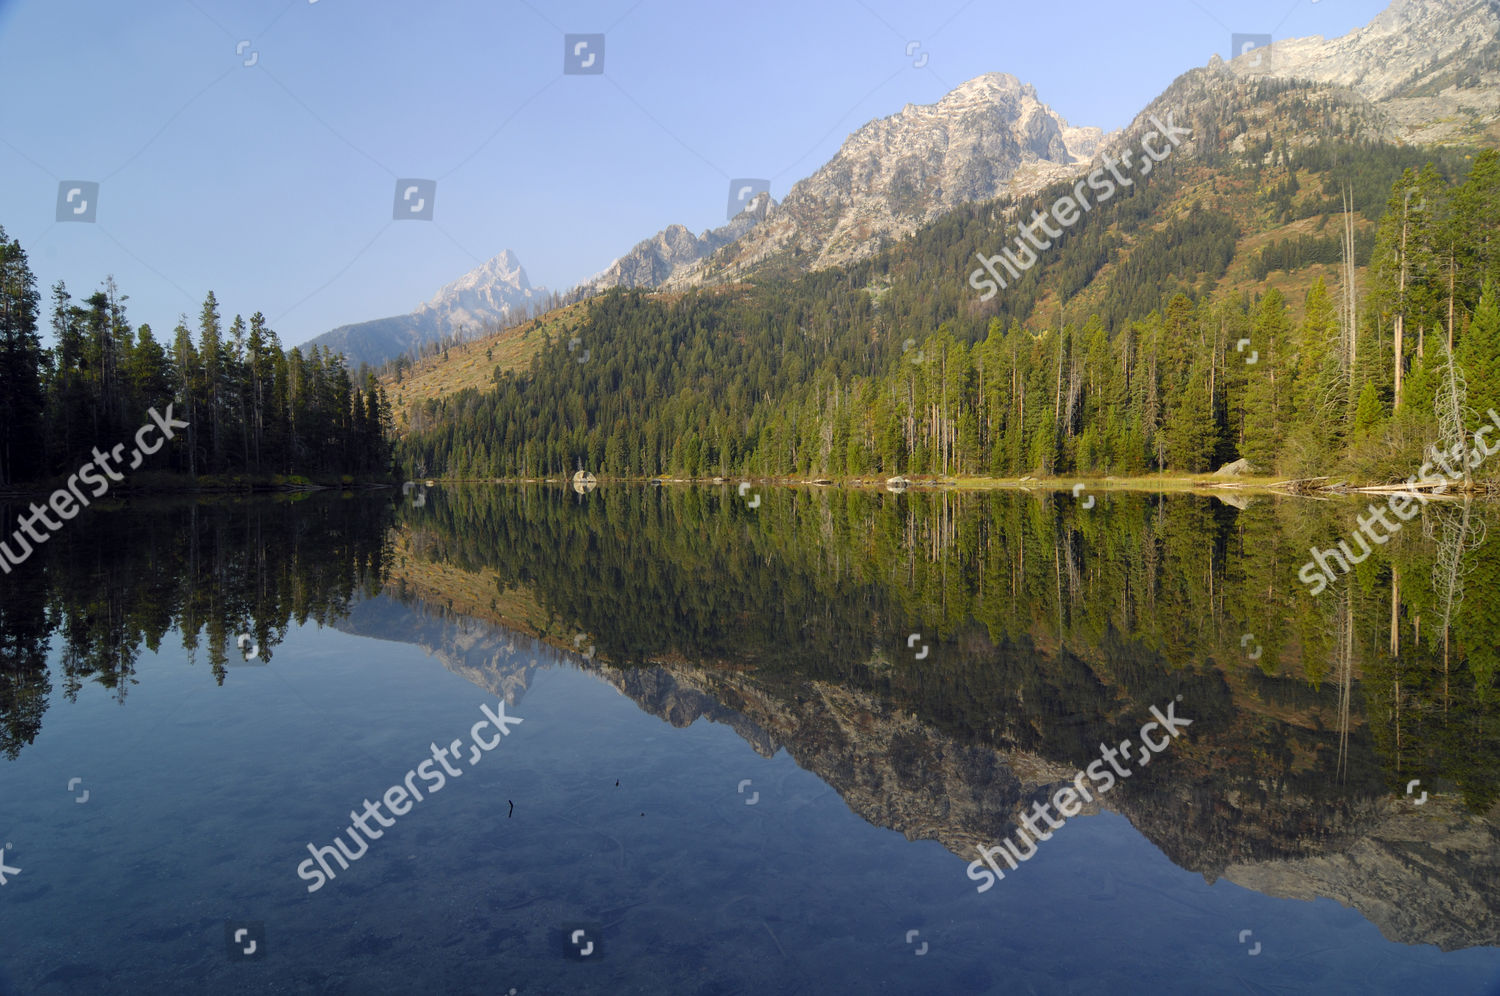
x: 273, y: 184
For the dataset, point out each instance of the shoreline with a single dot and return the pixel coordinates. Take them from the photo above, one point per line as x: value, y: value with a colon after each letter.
x: 1165, y: 484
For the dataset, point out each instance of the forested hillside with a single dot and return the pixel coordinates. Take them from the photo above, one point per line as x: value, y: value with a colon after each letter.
x: 1122, y: 352
x: 251, y: 408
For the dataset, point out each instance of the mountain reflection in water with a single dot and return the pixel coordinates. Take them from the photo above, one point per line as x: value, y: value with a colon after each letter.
x: 941, y: 660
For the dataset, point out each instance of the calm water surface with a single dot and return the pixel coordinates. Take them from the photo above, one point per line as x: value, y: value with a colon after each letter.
x: 759, y: 746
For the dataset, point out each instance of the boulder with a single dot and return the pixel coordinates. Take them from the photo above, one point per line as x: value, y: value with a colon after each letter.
x: 1237, y: 469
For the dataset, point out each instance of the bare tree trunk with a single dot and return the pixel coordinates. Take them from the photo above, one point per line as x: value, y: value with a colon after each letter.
x: 1452, y: 268
x: 1344, y: 660
x: 1401, y: 302
x: 1349, y: 304
x: 1395, y: 611
x: 1057, y: 405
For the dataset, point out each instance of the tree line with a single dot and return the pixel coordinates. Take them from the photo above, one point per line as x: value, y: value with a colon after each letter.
x: 253, y: 408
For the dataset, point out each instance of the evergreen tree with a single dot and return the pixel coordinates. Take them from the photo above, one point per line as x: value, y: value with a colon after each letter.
x: 1478, y: 353
x: 1267, y: 395
x: 22, y: 401
x: 1367, y: 416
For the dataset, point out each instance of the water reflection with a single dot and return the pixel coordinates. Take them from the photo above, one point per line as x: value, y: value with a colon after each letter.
x: 228, y: 577
x: 942, y: 660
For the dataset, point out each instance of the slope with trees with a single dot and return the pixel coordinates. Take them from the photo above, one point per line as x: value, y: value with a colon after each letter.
x: 885, y: 367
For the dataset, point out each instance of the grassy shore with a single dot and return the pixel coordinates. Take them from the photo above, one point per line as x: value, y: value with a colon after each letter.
x: 1164, y: 482
x: 1150, y: 483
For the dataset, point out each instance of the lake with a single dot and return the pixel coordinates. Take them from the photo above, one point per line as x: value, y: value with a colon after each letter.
x: 765, y: 741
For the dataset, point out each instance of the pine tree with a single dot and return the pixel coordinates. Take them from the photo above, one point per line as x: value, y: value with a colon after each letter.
x: 1318, y: 388
x: 1367, y: 414
x: 68, y: 394
x: 1476, y: 217
x: 1191, y: 436
x: 22, y: 400
x: 1478, y: 353
x: 210, y: 386
x: 149, y: 372
x: 185, y: 358
x: 1267, y: 395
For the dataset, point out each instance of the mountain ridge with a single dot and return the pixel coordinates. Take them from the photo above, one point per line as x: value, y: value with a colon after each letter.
x: 990, y: 135
x: 1432, y: 66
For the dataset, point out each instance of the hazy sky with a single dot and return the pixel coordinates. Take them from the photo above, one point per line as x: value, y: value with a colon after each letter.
x: 275, y: 183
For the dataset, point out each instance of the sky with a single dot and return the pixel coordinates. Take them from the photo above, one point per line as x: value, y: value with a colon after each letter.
x: 258, y: 148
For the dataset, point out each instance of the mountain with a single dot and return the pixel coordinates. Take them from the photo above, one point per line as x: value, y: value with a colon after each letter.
x: 1432, y: 67
x: 1422, y: 72
x: 988, y: 137
x: 488, y: 295
x: 786, y: 365
x: 651, y: 261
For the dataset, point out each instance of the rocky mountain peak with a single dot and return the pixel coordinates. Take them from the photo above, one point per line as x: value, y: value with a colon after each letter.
x: 651, y: 261
x: 1430, y: 65
x: 988, y: 137
x: 503, y: 270
x: 486, y: 295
